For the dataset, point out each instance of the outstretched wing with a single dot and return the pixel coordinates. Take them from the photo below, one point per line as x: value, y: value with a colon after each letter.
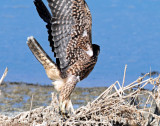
x: 71, y: 30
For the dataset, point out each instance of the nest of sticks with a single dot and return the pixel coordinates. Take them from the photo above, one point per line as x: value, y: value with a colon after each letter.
x: 118, y: 105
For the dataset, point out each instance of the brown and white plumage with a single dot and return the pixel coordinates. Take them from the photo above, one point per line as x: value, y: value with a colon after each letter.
x: 69, y: 29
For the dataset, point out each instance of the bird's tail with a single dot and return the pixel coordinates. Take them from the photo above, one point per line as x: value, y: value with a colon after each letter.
x: 51, y: 68
x: 42, y: 11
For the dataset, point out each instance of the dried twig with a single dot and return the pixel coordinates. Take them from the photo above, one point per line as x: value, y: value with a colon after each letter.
x: 4, y: 75
x: 124, y: 75
x: 31, y: 107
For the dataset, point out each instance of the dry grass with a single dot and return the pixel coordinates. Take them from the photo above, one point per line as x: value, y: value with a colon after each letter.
x: 118, y: 105
x: 130, y: 105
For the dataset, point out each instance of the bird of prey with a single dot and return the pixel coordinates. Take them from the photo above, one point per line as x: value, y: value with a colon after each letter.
x: 69, y: 28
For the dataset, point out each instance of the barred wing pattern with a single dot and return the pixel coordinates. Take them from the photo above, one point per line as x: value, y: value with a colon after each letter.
x: 71, y: 30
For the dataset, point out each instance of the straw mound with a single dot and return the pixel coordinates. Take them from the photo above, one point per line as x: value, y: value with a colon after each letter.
x: 116, y: 106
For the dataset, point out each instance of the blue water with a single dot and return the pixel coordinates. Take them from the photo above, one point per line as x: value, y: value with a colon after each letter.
x: 128, y: 32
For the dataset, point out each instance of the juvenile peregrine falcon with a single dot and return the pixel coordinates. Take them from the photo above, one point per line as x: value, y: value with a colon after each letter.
x: 69, y: 28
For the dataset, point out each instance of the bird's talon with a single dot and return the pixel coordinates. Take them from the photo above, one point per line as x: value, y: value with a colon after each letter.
x: 65, y: 115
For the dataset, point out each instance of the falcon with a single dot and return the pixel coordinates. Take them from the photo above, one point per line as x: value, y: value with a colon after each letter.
x: 69, y: 28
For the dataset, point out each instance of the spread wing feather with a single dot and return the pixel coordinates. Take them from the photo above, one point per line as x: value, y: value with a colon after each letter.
x: 42, y: 11
x: 70, y: 20
x: 46, y: 16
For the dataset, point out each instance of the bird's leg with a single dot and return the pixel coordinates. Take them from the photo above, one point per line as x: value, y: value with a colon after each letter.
x: 63, y: 104
x: 64, y: 97
x: 70, y: 107
x: 66, y: 108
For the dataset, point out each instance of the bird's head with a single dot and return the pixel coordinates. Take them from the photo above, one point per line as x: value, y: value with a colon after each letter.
x: 96, y: 49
